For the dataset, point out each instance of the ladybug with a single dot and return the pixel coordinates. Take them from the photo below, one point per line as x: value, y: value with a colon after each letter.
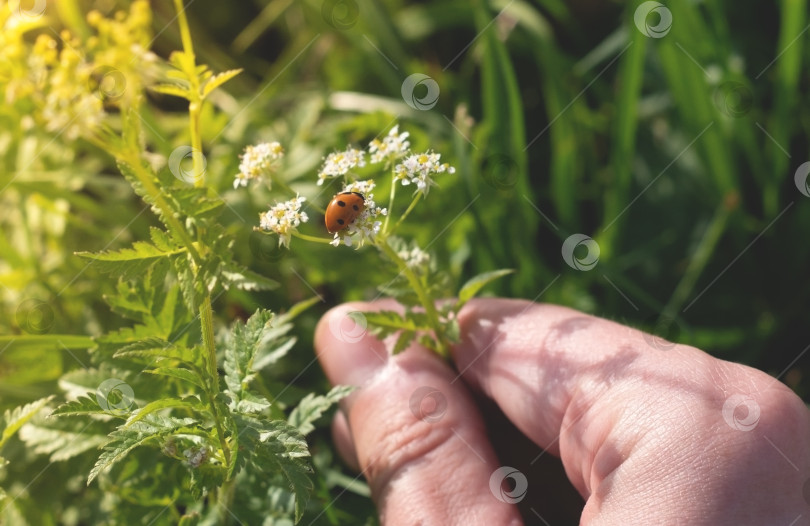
x: 343, y: 210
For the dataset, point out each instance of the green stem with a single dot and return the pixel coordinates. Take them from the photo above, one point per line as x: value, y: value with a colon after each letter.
x: 206, y: 311
x: 195, y: 100
x: 314, y: 239
x: 421, y: 293
x: 148, y: 183
x: 698, y: 261
x: 408, y: 211
x: 207, y: 321
x: 390, y: 204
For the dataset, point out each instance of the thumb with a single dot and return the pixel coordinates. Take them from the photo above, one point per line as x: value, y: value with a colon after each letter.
x: 419, y: 439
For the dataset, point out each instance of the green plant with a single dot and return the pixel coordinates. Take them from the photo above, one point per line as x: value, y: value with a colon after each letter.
x: 221, y: 431
x: 420, y: 282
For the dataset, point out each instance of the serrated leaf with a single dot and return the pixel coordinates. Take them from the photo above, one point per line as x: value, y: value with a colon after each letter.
x: 403, y: 341
x: 181, y: 373
x: 125, y: 439
x: 14, y: 419
x: 452, y: 330
x: 475, y: 284
x: 234, y: 275
x: 241, y: 350
x: 157, y: 405
x: 285, y: 450
x: 161, y: 239
x: 218, y: 80
x: 60, y: 444
x: 312, y: 407
x: 269, y: 354
x: 128, y: 262
x: 172, y: 89
x: 84, y: 405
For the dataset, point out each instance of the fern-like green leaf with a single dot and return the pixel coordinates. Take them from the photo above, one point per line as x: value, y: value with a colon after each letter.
x: 241, y: 351
x: 125, y: 439
x: 164, y: 403
x: 218, y: 80
x: 128, y: 262
x: 475, y: 284
x: 234, y: 275
x: 84, y: 405
x: 14, y: 419
x: 313, y: 407
x: 181, y: 373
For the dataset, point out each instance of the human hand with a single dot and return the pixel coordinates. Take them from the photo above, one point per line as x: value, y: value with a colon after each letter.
x: 646, y: 435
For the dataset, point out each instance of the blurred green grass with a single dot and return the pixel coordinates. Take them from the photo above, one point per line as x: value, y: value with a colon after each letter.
x: 676, y: 154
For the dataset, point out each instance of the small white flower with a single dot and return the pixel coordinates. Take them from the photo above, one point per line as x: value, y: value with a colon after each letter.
x: 339, y: 163
x: 392, y: 147
x: 367, y: 225
x: 417, y: 169
x: 256, y: 161
x: 414, y: 258
x: 284, y: 219
x: 363, y: 187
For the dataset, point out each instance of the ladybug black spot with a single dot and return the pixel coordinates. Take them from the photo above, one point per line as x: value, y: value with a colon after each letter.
x: 341, y: 222
x: 356, y: 208
x: 341, y: 203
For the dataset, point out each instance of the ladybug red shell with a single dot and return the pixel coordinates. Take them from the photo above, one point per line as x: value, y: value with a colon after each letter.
x: 343, y: 210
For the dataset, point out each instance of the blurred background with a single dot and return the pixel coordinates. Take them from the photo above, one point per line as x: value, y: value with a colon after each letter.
x: 639, y: 161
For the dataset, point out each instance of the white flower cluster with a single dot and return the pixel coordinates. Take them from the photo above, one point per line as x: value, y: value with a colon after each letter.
x: 284, y: 219
x: 367, y: 225
x: 257, y: 160
x: 417, y: 169
x: 339, y: 163
x: 392, y: 147
x: 414, y: 258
